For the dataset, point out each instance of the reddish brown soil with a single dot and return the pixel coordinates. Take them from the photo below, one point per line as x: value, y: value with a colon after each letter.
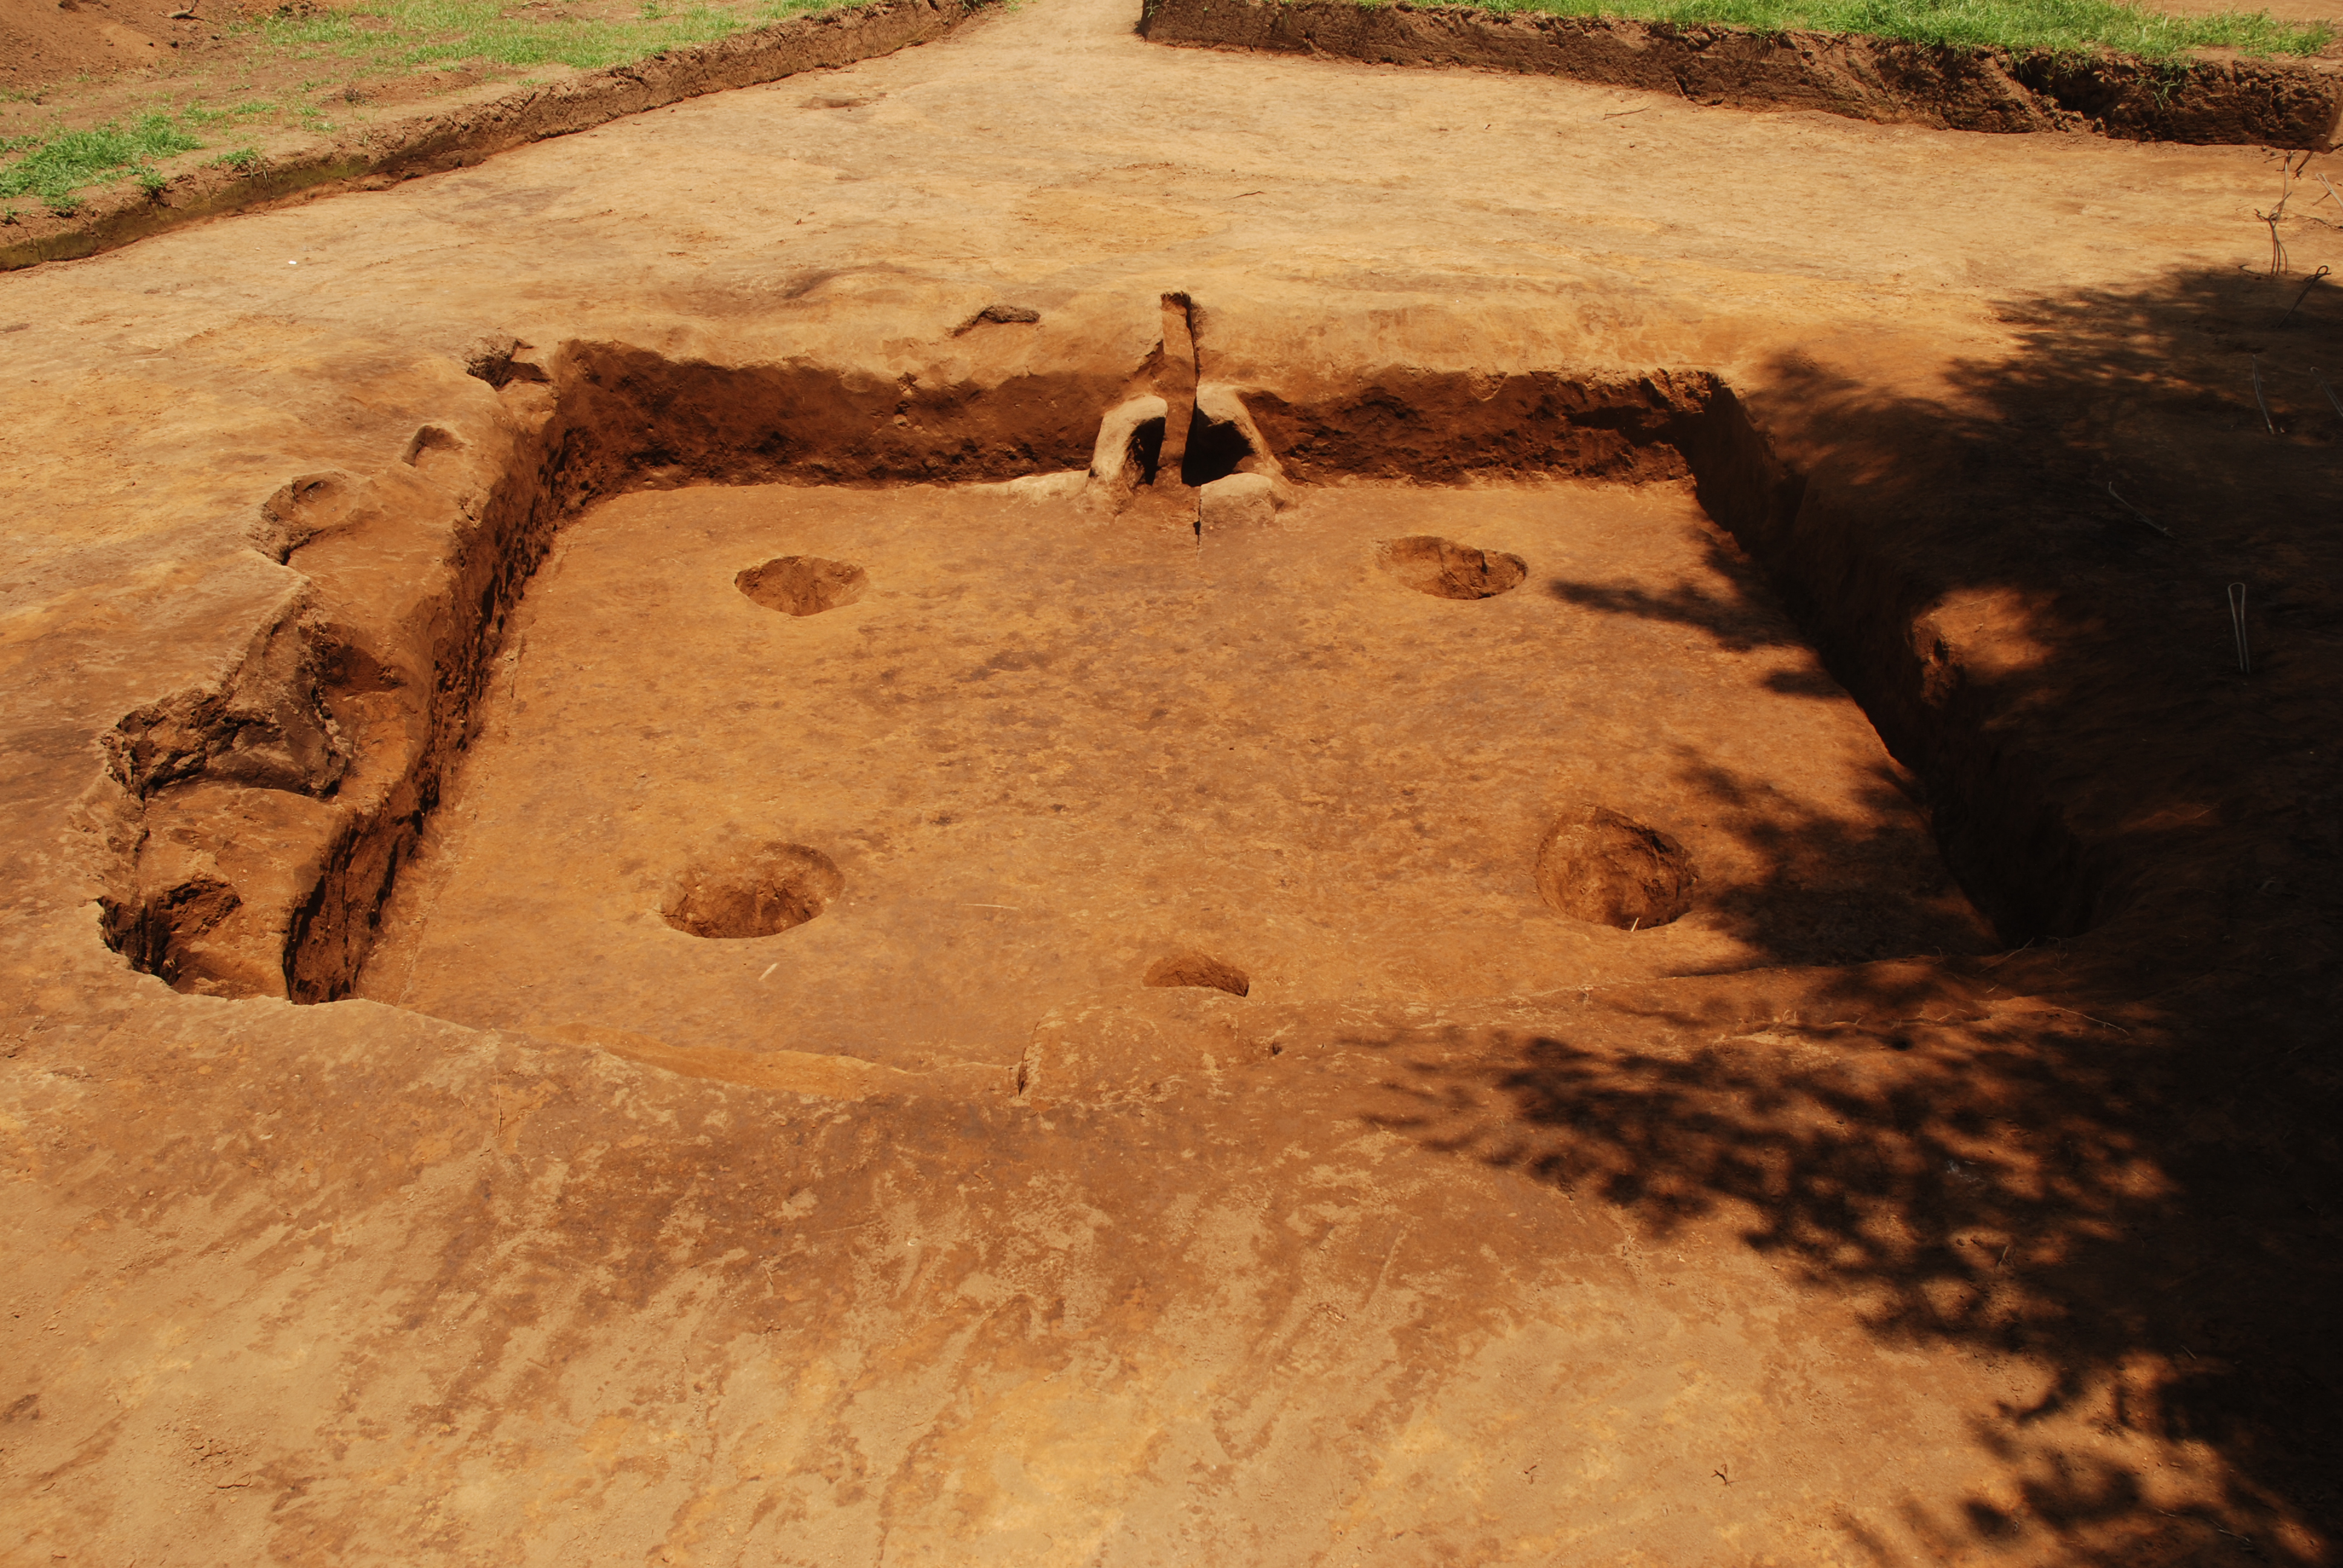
x: 43, y: 41
x: 1048, y: 752
x: 374, y: 126
x: 2022, y: 1257
x: 2272, y: 102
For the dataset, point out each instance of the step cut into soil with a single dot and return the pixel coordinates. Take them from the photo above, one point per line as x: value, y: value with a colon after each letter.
x: 455, y: 139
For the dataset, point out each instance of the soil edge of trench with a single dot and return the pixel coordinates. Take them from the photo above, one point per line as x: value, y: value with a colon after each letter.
x: 1887, y: 81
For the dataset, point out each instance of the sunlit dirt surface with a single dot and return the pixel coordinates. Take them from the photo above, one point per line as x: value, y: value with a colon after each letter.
x: 2021, y: 1259
x: 1048, y: 749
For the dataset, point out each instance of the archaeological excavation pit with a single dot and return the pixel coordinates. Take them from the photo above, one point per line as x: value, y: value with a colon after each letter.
x: 751, y: 712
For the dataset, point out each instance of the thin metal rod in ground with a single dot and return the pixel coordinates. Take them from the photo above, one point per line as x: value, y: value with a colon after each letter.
x: 2298, y: 299
x: 2332, y: 401
x: 2135, y: 512
x: 2237, y: 625
x: 2260, y: 401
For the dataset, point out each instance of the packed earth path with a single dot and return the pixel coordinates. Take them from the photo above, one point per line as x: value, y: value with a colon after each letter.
x: 1993, y: 1249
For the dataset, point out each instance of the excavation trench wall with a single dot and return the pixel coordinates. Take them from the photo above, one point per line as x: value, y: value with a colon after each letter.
x: 260, y: 822
x: 2267, y: 103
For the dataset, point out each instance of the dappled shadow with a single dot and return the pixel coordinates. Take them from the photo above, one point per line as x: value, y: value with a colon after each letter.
x: 2126, y: 1176
x: 2061, y: 675
x: 1977, y: 1183
x: 1943, y: 1187
x: 1808, y: 887
x: 1740, y: 619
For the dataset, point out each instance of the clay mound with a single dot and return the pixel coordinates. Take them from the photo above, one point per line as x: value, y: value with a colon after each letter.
x: 1197, y: 969
x: 1447, y: 570
x: 758, y: 893
x: 803, y: 585
x: 1604, y: 868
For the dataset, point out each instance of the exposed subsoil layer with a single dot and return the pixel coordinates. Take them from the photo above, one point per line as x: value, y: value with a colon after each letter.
x: 2024, y: 1258
x: 1046, y: 749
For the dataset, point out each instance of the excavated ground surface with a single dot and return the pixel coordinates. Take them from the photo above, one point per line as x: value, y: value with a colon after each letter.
x: 266, y: 135
x: 1048, y: 751
x: 2012, y: 1257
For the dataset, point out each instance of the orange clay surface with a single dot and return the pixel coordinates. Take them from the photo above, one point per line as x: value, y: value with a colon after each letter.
x: 1467, y: 1236
x: 1047, y: 750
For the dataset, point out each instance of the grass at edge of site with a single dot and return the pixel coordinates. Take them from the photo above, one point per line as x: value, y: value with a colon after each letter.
x: 56, y: 167
x: 425, y: 35
x: 379, y: 37
x: 2020, y: 26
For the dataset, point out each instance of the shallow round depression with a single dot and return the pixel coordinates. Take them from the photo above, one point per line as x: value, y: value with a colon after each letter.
x: 803, y: 585
x: 753, y: 892
x: 1199, y: 969
x: 1609, y: 870
x: 1447, y: 570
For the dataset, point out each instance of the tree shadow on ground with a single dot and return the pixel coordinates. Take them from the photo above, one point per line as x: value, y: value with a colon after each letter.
x: 1740, y: 617
x: 1972, y: 1182
x: 1811, y: 887
x: 2127, y: 1181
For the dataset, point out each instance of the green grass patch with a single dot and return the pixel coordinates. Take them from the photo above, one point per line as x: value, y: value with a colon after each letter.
x: 58, y: 167
x: 425, y: 35
x: 205, y: 115
x: 2018, y: 26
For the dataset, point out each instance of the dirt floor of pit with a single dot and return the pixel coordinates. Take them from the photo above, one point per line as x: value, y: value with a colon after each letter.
x: 1047, y: 750
x: 2025, y: 1259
